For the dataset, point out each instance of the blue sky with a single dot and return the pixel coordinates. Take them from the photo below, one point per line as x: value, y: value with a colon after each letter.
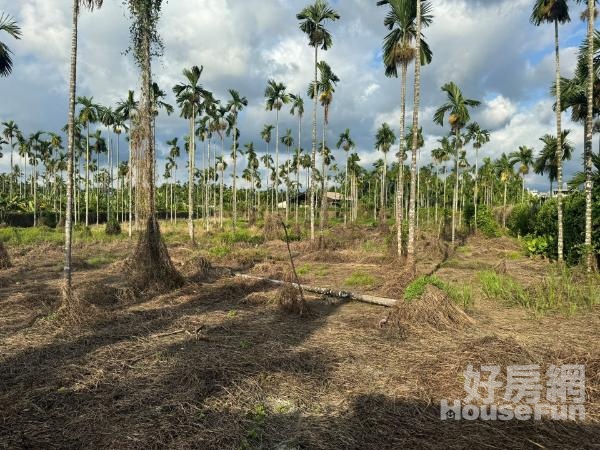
x: 488, y: 48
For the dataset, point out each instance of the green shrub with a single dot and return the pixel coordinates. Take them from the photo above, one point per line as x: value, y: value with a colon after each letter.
x: 539, y: 246
x: 521, y: 220
x: 46, y: 220
x: 113, y: 227
x: 486, y: 223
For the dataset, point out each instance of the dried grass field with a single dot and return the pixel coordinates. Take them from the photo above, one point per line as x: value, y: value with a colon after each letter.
x: 218, y: 364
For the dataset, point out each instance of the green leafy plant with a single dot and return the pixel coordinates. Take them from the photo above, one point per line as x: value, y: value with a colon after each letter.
x: 487, y: 224
x: 539, y: 246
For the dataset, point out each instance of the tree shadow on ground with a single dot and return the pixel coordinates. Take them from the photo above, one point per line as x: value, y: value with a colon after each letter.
x: 198, y: 368
x: 119, y: 374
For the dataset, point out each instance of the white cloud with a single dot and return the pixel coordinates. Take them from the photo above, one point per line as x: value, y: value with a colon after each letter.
x: 488, y: 47
x: 498, y: 111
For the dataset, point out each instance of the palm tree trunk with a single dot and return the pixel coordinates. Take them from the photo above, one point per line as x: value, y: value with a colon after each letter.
x: 70, y: 151
x: 589, y: 137
x: 382, y: 211
x: 314, y: 154
x: 287, y: 188
x: 559, y: 149
x: 419, y: 198
x: 191, y: 158
x: 400, y: 187
x: 298, y: 164
x: 277, y: 160
x: 504, y: 206
x: 476, y: 190
x: 87, y: 176
x: 221, y: 200
x: 34, y: 183
x: 234, y: 175
x: 323, y: 215
x: 455, y: 193
x: 413, y: 169
x: 130, y: 179
x: 10, y: 189
x: 206, y: 167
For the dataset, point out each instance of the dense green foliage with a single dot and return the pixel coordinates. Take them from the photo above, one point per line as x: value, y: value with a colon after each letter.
x: 487, y: 224
x: 538, y: 224
x: 113, y: 227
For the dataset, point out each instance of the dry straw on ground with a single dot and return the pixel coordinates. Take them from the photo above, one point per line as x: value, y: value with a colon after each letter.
x: 290, y: 297
x: 5, y: 262
x: 432, y: 310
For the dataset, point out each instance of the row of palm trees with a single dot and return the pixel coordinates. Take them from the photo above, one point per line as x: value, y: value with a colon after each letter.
x: 404, y: 44
x: 578, y: 95
x: 204, y: 188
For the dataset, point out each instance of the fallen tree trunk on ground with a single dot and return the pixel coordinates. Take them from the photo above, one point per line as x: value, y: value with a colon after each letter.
x: 382, y: 301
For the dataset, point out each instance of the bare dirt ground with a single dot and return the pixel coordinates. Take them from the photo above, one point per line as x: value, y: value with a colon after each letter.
x: 215, y: 364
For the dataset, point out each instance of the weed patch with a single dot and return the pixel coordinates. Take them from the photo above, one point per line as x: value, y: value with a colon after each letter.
x: 360, y: 279
x: 560, y: 291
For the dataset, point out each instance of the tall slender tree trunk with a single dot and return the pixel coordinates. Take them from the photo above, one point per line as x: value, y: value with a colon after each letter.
x: 313, y: 159
x: 455, y: 193
x: 419, y: 198
x: 476, y: 190
x: 383, y: 204
x: 411, y: 262
x: 67, y: 272
x: 191, y: 158
x: 34, y: 183
x: 323, y: 215
x: 221, y: 199
x: 346, y: 190
x: 234, y: 175
x: 87, y: 176
x: 559, y: 149
x: 10, y: 188
x: 400, y: 187
x: 221, y: 184
x: 589, y: 137
x: 277, y: 160
x: 130, y: 187
x: 504, y: 206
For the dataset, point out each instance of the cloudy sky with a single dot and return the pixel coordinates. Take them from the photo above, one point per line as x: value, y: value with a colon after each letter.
x: 488, y: 47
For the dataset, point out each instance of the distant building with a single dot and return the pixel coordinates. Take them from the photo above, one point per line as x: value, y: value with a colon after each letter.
x: 333, y: 199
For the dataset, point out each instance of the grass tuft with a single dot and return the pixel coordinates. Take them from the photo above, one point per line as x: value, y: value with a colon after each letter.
x: 360, y: 279
x: 560, y: 291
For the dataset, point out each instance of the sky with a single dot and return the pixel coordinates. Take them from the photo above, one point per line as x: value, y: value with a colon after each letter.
x: 488, y: 47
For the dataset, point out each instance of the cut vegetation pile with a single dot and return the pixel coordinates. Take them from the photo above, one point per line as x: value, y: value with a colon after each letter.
x: 432, y: 309
x: 291, y: 298
x: 4, y: 257
x: 272, y: 229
